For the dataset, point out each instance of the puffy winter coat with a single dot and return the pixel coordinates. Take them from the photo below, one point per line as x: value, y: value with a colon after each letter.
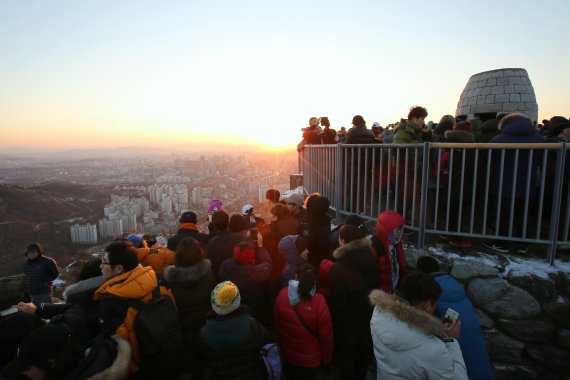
x: 191, y: 287
x: 407, y: 133
x: 471, y: 340
x: 39, y: 274
x: 230, y: 345
x: 293, y: 262
x: 410, y: 343
x: 187, y: 230
x: 517, y: 131
x: 157, y: 258
x: 115, y: 315
x: 221, y: 248
x: 360, y: 135
x: 352, y: 277
x: 319, y: 228
x: 299, y: 346
x: 387, y: 222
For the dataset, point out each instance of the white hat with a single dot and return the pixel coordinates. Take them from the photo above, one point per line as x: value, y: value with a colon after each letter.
x: 246, y: 209
x: 375, y: 124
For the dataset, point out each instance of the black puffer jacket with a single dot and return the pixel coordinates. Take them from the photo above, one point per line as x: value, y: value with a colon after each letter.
x: 360, y: 135
x: 230, y: 345
x: 221, y: 248
x: 319, y: 227
x: 191, y: 287
x: 40, y: 274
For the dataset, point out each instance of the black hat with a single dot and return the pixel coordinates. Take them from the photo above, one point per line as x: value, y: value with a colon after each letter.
x: 34, y: 247
x: 238, y: 223
x: 188, y: 217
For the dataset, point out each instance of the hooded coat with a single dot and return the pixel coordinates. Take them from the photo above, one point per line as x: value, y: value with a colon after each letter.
x: 352, y: 277
x: 386, y: 262
x: 319, y: 228
x: 187, y: 230
x: 191, y: 287
x: 299, y: 346
x: 360, y: 135
x: 221, y: 248
x: 471, y: 341
x: 293, y: 262
x: 410, y: 343
x: 115, y: 315
x: 157, y: 258
x: 407, y: 132
x: 516, y: 131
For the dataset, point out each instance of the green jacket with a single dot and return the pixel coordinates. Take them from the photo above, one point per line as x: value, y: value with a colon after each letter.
x: 407, y: 133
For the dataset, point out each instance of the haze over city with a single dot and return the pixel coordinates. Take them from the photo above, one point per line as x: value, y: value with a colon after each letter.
x: 244, y: 75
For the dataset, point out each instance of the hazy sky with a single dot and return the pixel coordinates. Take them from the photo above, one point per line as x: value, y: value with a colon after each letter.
x: 186, y: 74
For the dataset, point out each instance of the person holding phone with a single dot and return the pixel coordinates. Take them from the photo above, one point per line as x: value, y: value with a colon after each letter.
x: 409, y: 341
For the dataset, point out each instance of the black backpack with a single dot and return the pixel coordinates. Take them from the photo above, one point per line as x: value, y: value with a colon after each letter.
x: 159, y: 334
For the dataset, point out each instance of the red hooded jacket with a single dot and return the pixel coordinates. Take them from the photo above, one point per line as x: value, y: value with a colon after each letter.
x: 387, y: 222
x: 300, y: 347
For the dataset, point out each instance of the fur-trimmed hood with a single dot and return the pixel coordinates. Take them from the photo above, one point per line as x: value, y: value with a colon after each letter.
x: 354, y: 245
x: 120, y: 367
x: 459, y: 136
x: 191, y: 273
x: 404, y: 312
x: 90, y: 284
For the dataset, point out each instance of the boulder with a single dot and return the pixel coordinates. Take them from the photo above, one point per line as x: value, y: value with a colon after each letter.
x: 528, y: 331
x: 542, y: 288
x: 564, y: 338
x: 559, y: 311
x: 503, y: 348
x: 498, y: 297
x: 552, y: 357
x: 520, y: 372
x: 484, y: 320
x: 466, y: 269
x: 562, y: 280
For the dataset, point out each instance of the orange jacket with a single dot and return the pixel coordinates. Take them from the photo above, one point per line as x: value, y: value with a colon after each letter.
x: 158, y: 258
x: 135, y: 284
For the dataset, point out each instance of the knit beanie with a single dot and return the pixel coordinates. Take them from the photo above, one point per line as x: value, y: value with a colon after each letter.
x: 225, y: 298
x: 215, y: 205
x: 237, y: 223
x: 244, y: 254
x: 136, y: 239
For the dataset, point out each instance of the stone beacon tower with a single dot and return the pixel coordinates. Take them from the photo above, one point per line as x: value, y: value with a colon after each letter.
x: 498, y: 91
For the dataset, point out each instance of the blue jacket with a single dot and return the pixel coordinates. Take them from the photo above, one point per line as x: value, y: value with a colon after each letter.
x: 515, y: 132
x: 39, y: 274
x: 471, y: 341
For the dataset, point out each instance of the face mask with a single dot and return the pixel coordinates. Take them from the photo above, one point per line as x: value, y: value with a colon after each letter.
x: 210, y: 218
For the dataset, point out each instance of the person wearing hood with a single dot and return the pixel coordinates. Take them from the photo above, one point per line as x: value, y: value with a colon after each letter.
x: 39, y: 273
x: 303, y: 325
x: 471, y: 341
x: 188, y: 228
x: 191, y: 280
x: 409, y: 342
x: 250, y: 269
x: 293, y: 248
x: 352, y: 277
x: 156, y: 256
x: 319, y: 229
x: 515, y: 128
x: 388, y: 250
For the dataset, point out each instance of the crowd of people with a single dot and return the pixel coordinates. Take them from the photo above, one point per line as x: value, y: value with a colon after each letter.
x: 460, y: 174
x: 336, y: 302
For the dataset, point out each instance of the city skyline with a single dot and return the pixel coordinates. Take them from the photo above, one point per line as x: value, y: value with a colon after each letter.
x: 226, y: 76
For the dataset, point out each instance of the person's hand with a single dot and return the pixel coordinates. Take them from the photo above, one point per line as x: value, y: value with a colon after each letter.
x: 453, y: 329
x: 28, y: 308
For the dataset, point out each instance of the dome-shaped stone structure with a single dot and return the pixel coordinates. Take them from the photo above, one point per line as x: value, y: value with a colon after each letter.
x: 497, y: 91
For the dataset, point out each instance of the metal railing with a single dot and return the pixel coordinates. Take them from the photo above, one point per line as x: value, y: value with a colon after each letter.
x: 509, y: 192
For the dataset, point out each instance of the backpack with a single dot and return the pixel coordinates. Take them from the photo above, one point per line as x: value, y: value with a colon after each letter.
x: 159, y: 333
x: 271, y: 359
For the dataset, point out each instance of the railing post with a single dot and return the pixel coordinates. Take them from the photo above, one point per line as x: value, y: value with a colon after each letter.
x: 338, y: 181
x: 555, y: 214
x: 423, y: 197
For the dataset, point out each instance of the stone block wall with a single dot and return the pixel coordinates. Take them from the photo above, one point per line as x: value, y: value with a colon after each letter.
x: 503, y: 90
x: 525, y: 317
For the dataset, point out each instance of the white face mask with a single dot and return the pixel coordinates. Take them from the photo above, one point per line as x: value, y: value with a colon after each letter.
x: 210, y: 218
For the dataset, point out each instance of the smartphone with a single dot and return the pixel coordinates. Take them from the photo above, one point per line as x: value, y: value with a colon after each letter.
x: 451, y: 315
x: 8, y: 311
